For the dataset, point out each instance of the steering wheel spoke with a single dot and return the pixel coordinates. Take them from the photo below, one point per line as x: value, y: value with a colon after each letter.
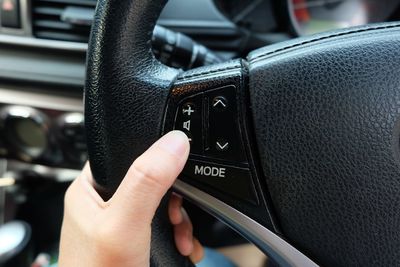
x: 210, y: 105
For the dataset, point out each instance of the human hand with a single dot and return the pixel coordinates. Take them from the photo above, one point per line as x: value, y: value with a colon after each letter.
x: 118, y: 232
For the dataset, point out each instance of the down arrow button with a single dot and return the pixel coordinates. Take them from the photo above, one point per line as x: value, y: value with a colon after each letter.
x: 222, y: 145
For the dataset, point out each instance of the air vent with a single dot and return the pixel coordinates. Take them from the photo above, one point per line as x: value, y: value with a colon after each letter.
x: 67, y: 20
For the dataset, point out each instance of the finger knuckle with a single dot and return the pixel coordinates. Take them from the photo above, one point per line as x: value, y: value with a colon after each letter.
x: 149, y: 174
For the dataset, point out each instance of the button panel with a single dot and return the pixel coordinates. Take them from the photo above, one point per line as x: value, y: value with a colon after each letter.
x: 217, y: 158
x: 223, y: 136
x: 211, y: 122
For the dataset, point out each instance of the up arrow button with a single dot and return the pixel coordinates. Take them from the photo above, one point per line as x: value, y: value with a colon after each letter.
x: 220, y: 103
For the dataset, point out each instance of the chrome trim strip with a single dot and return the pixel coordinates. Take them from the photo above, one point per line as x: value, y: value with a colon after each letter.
x: 26, y: 17
x: 40, y: 100
x: 43, y: 43
x: 272, y: 245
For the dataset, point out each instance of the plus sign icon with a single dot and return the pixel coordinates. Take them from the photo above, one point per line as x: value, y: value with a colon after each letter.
x: 188, y: 109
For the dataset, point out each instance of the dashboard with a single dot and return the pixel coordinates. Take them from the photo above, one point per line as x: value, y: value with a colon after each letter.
x: 43, y: 47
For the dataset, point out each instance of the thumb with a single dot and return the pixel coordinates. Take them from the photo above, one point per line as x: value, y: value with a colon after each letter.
x: 150, y: 177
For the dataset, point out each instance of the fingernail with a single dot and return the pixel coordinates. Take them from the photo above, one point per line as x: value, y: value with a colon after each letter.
x: 175, y: 142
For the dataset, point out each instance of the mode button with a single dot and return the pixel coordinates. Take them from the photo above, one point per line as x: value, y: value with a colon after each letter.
x: 228, y: 180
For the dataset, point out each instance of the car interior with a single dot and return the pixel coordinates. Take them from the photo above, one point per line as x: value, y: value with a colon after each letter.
x: 291, y: 107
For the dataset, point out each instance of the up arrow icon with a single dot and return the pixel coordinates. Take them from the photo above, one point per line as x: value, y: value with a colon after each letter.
x: 220, y: 103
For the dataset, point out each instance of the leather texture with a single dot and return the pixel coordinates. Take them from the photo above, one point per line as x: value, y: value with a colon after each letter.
x: 125, y: 97
x: 326, y: 111
x: 126, y: 88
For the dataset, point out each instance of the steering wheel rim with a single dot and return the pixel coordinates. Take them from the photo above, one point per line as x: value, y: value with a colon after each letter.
x: 130, y: 72
x: 341, y: 87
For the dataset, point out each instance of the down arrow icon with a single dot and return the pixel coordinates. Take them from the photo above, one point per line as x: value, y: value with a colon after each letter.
x: 222, y: 146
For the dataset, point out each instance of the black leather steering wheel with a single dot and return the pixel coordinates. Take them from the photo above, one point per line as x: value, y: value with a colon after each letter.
x: 297, y: 144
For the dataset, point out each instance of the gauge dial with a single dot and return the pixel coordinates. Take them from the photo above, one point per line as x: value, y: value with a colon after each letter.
x: 30, y: 134
x: 25, y: 130
x: 313, y: 16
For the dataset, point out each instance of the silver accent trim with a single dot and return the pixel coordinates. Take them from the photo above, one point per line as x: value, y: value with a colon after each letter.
x: 26, y: 16
x: 40, y: 100
x: 272, y: 245
x: 43, y: 43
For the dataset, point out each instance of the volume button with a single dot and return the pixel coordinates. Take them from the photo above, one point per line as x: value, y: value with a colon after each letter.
x: 206, y: 123
x: 189, y: 119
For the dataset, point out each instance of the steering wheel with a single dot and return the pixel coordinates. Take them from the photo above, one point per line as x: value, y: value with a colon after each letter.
x: 296, y: 147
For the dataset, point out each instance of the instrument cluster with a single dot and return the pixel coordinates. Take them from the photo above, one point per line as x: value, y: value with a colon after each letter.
x: 305, y: 17
x: 314, y: 16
